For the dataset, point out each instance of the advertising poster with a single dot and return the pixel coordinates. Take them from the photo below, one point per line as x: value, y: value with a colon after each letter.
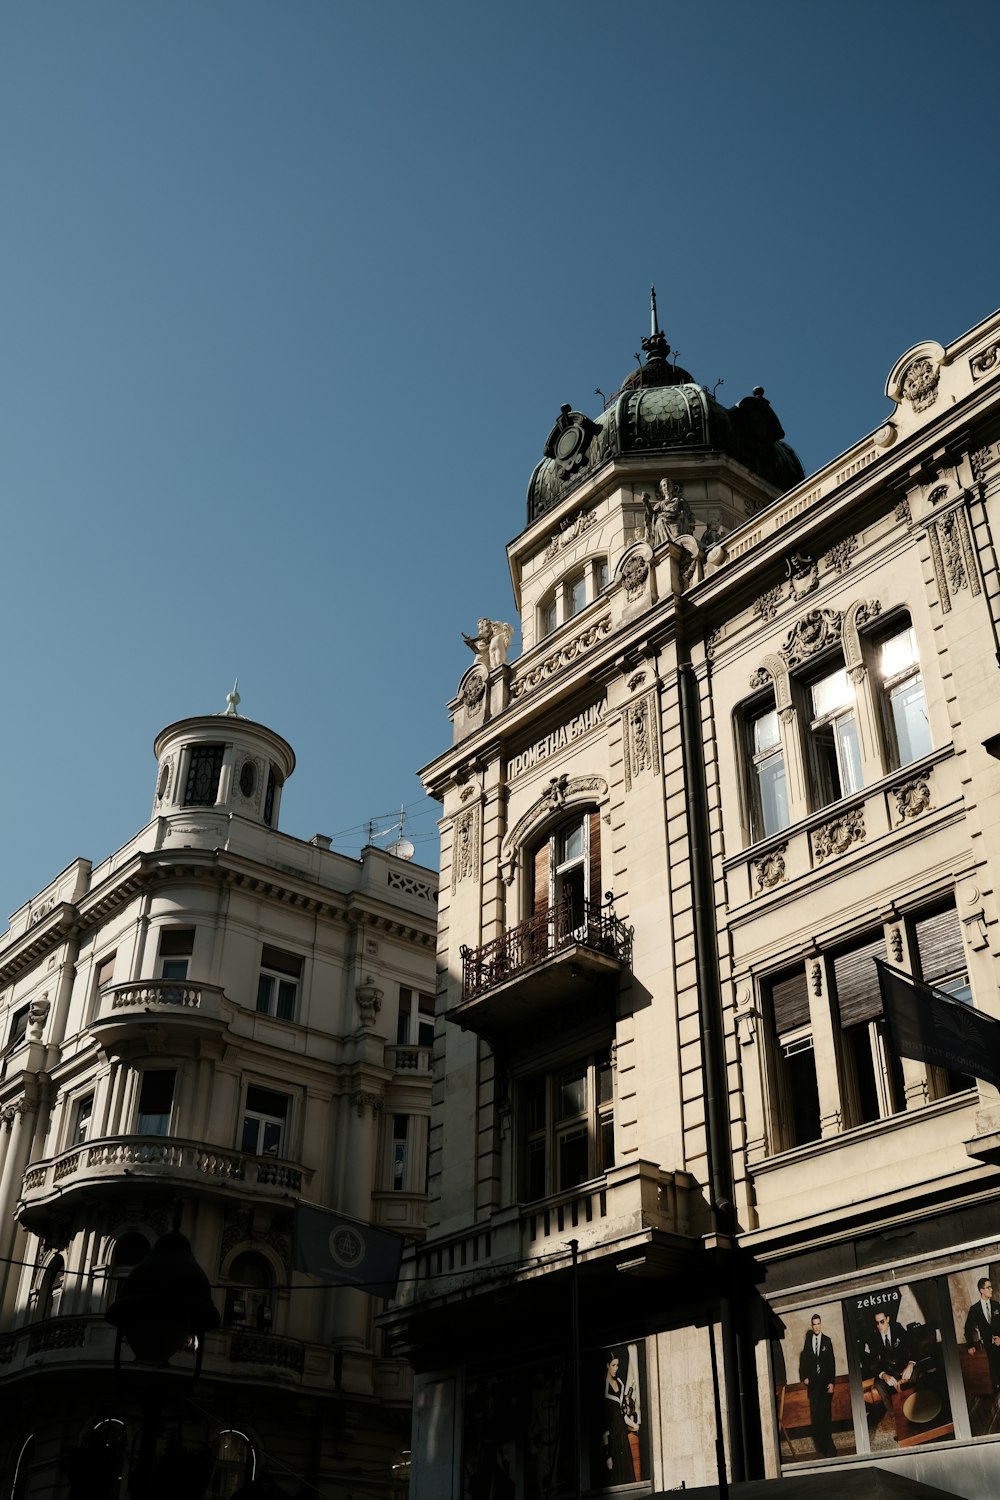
x: 812, y: 1386
x: 619, y: 1447
x: 900, y: 1357
x: 975, y: 1313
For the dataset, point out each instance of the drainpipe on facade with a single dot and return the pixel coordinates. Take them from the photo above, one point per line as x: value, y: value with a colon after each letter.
x: 713, y: 1044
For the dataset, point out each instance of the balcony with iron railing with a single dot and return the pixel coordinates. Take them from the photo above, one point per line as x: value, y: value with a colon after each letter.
x: 553, y: 959
x: 120, y: 1161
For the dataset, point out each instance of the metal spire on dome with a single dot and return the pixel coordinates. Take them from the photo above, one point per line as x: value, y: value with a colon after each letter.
x: 232, y: 701
x: 654, y: 326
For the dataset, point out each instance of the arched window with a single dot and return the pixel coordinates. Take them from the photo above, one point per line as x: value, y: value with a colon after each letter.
x: 129, y: 1250
x: 249, y: 1302
x: 571, y: 595
x: 566, y: 870
x: 234, y: 1464
x: 50, y: 1288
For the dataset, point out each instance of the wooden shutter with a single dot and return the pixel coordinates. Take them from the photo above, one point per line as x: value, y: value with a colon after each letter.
x: 855, y: 978
x: 594, y: 887
x: 789, y: 1001
x: 176, y: 942
x: 540, y: 888
x: 939, y: 943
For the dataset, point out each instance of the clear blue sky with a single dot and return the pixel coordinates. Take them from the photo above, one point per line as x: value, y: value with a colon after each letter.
x: 291, y: 293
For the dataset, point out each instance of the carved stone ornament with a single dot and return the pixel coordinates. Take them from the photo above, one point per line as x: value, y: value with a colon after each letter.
x: 761, y: 678
x: 817, y: 629
x: 770, y: 868
x: 896, y: 945
x: 837, y: 836
x: 901, y: 513
x: 951, y: 555
x: 636, y: 681
x: 465, y: 848
x: 816, y: 975
x: 920, y: 383
x: 634, y: 575
x: 839, y: 557
x: 641, y: 739
x: 938, y: 493
x: 490, y: 643
x: 980, y: 461
x: 568, y: 532
x: 362, y: 1099
x: 766, y: 605
x: 802, y: 574
x: 369, y: 998
x: 38, y: 1012
x: 747, y: 1017
x: 986, y: 360
x: 913, y: 798
x: 712, y: 643
x: 551, y: 665
x: 474, y: 692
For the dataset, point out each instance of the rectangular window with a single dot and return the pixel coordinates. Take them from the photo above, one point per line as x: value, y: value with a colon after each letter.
x: 567, y: 1127
x: 769, y: 790
x: 176, y: 947
x: 415, y: 1025
x: 264, y: 1122
x: 548, y: 617
x: 156, y: 1101
x: 278, y: 984
x: 872, y: 1072
x: 796, y: 1102
x: 836, y: 754
x: 904, y: 705
x: 105, y: 970
x: 400, y: 1138
x: 576, y: 595
x: 18, y: 1028
x: 939, y: 959
x: 82, y: 1120
x: 204, y: 769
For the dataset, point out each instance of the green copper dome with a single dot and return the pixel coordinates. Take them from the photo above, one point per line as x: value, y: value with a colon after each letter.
x: 660, y: 409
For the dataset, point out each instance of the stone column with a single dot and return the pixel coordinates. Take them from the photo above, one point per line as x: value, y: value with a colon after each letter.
x: 18, y: 1147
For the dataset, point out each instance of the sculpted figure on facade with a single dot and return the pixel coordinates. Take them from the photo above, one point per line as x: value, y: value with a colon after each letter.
x: 490, y: 643
x: 670, y: 517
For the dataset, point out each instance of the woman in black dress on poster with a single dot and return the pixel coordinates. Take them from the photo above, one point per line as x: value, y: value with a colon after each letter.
x: 616, y: 1454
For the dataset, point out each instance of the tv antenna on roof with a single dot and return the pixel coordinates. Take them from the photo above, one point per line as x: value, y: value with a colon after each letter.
x: 401, y: 847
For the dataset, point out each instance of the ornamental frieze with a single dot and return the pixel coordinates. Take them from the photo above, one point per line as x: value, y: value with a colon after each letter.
x: 952, y: 557
x: 570, y: 652
x: 837, y: 836
x: 564, y: 535
x: 984, y: 362
x: 913, y: 798
x: 770, y: 868
x: 465, y: 853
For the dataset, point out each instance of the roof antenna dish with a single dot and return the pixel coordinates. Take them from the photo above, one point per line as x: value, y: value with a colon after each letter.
x: 400, y: 846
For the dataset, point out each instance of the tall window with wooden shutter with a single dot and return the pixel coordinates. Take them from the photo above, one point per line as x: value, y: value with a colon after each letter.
x: 872, y: 1074
x: 567, y: 869
x: 796, y: 1097
x: 938, y: 956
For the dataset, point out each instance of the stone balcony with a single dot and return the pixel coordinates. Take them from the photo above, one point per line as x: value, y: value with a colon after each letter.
x: 120, y: 1162
x: 233, y: 1354
x: 557, y: 957
x: 634, y: 1212
x: 406, y: 1061
x: 127, y: 1011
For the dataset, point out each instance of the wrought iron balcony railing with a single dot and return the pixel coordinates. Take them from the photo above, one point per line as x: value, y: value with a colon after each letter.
x: 569, y: 924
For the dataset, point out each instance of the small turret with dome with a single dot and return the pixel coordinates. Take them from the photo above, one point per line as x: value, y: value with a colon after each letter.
x: 222, y: 763
x: 660, y: 411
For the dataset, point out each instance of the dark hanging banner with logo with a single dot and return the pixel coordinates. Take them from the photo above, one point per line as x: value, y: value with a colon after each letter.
x: 928, y: 1025
x: 346, y: 1252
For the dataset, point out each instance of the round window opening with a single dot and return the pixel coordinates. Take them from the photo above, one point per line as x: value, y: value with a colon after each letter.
x: 248, y: 778
x: 161, y: 789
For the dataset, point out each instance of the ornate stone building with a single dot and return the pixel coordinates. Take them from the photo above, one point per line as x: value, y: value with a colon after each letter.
x: 213, y: 1023
x: 744, y: 752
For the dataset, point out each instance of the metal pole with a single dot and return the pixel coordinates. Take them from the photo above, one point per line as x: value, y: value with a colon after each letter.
x: 720, y: 1447
x: 574, y: 1246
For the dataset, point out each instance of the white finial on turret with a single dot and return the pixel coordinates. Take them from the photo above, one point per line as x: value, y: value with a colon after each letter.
x: 232, y: 701
x: 654, y: 326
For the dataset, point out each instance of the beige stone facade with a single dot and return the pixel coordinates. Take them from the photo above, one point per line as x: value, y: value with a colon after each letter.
x: 741, y: 756
x: 216, y: 1022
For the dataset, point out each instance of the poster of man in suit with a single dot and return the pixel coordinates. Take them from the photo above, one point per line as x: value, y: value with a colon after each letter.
x: 975, y: 1307
x: 814, y: 1411
x: 900, y: 1358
